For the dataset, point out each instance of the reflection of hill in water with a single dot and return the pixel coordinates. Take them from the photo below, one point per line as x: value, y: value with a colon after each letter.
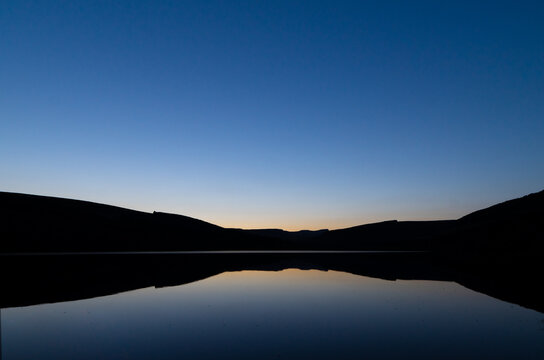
x: 29, y: 280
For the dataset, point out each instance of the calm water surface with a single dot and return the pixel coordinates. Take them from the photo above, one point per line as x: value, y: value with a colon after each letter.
x: 286, y: 314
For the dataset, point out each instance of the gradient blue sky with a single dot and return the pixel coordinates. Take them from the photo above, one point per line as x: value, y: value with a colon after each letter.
x: 289, y: 114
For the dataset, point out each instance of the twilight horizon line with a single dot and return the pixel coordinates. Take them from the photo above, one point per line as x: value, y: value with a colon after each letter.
x: 283, y: 227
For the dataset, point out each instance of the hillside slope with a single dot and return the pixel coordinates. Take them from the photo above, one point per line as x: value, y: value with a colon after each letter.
x: 32, y: 223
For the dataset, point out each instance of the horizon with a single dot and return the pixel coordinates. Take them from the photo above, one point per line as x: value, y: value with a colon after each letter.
x: 284, y: 229
x: 293, y: 116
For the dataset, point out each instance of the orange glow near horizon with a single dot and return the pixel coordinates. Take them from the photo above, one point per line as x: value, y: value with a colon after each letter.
x: 314, y: 224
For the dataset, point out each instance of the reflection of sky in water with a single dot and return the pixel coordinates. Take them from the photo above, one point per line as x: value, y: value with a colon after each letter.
x: 286, y: 314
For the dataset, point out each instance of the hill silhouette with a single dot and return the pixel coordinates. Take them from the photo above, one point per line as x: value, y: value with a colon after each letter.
x: 33, y: 223
x: 514, y: 225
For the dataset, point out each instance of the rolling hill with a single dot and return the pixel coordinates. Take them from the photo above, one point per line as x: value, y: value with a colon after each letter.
x: 32, y: 223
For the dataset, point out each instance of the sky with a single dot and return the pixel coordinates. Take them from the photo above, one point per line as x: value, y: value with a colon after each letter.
x: 274, y: 114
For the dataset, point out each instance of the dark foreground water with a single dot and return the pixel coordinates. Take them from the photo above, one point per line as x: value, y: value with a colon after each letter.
x: 286, y: 314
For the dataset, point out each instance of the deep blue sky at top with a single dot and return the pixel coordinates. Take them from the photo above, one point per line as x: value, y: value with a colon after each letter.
x: 292, y: 114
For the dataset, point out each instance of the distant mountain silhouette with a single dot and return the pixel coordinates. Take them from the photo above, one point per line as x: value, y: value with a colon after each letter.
x: 32, y: 223
x: 301, y: 235
x: 390, y: 235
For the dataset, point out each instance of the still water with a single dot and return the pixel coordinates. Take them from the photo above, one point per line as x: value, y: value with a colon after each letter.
x: 288, y: 314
